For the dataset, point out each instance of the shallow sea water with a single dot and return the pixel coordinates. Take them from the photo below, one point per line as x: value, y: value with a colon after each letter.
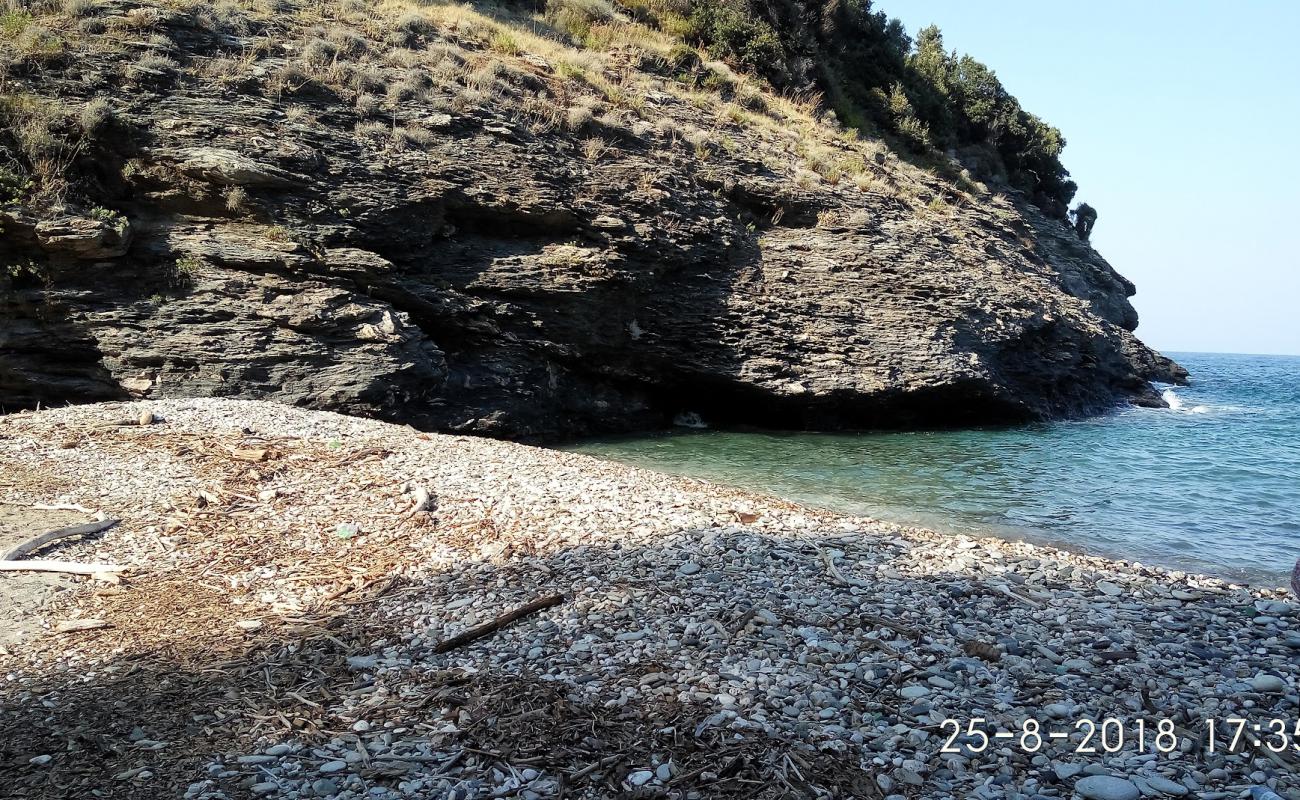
x: 1211, y: 484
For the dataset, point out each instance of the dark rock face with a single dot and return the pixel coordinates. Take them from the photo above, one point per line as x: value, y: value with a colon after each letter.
x: 495, y: 280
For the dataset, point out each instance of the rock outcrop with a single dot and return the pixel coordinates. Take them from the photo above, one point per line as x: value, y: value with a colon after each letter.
x: 508, y: 266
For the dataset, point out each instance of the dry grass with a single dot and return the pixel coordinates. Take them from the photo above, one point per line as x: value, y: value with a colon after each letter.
x: 577, y: 66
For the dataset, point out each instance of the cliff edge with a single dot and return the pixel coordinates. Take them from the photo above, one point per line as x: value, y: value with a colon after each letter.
x: 459, y: 218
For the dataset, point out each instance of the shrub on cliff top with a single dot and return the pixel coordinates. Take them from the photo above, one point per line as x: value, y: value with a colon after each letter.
x: 877, y: 78
x: 729, y: 30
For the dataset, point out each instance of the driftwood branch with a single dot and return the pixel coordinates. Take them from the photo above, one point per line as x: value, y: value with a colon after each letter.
x: 1003, y: 589
x: 70, y: 567
x: 835, y: 573
x: 492, y: 626
x: 32, y: 545
x: 73, y: 625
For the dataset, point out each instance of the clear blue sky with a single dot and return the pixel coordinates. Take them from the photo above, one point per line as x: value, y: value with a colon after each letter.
x: 1183, y: 126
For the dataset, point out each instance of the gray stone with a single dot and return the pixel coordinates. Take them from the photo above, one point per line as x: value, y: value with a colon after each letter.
x: 1165, y: 786
x: 1107, y: 787
x: 640, y: 777
x: 1264, y: 682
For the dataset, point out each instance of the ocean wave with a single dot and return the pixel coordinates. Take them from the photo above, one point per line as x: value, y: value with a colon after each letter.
x: 1176, y: 403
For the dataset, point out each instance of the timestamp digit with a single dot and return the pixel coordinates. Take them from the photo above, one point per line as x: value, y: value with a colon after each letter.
x: 956, y: 731
x: 1240, y: 725
x: 1165, y: 732
x: 1118, y: 730
x: 971, y: 730
x: 1278, y: 728
x: 1084, y: 747
x: 1031, y: 729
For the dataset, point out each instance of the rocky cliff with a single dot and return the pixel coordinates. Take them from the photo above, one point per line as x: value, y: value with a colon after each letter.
x: 451, y: 218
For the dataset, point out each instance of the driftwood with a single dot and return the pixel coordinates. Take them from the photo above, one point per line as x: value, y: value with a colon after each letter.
x: 70, y: 567
x: 838, y: 576
x: 1003, y: 589
x: 32, y: 545
x: 492, y: 626
x: 73, y: 625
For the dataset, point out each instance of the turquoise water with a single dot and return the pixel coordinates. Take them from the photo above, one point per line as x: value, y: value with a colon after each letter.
x: 1211, y: 484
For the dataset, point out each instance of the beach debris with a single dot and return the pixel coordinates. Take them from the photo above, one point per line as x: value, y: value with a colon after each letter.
x: 829, y: 560
x: 790, y: 677
x: 36, y: 543
x: 1007, y: 591
x: 978, y: 649
x: 73, y: 625
x: 346, y: 530
x: 68, y: 567
x: 422, y: 500
x: 494, y: 625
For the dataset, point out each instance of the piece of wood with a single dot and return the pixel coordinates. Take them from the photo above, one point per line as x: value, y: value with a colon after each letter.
x: 70, y: 567
x: 73, y: 625
x: 1003, y: 589
x: 492, y: 626
x: 34, y: 544
x: 838, y: 576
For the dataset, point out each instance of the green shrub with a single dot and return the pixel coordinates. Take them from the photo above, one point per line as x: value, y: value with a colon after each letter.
x: 13, y: 23
x: 730, y: 31
x: 13, y: 185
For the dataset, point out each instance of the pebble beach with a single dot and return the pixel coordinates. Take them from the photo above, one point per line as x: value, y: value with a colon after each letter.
x: 288, y: 585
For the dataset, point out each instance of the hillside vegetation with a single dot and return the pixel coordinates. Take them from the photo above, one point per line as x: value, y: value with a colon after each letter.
x: 754, y: 64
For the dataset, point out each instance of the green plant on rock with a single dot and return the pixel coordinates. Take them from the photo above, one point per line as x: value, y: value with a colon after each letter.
x: 14, y: 186
x: 26, y: 273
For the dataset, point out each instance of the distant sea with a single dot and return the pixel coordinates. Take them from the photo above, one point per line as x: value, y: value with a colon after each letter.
x: 1211, y: 484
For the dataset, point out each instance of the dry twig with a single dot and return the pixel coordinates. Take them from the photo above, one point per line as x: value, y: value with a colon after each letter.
x: 492, y: 626
x: 36, y: 543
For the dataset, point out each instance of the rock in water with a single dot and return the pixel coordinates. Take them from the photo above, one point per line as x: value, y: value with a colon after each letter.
x: 1107, y: 787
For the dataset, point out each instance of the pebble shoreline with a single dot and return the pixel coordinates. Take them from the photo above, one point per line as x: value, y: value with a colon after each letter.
x: 713, y: 642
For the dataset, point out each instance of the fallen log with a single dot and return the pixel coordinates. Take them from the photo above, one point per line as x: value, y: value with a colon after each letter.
x: 36, y: 543
x: 492, y: 626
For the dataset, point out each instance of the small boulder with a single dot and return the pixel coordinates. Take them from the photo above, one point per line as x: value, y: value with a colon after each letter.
x: 1107, y: 787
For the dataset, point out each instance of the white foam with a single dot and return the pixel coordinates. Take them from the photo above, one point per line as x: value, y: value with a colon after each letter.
x: 690, y: 419
x: 1176, y: 403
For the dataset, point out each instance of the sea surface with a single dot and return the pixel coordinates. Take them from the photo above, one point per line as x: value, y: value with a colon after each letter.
x: 1211, y: 484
